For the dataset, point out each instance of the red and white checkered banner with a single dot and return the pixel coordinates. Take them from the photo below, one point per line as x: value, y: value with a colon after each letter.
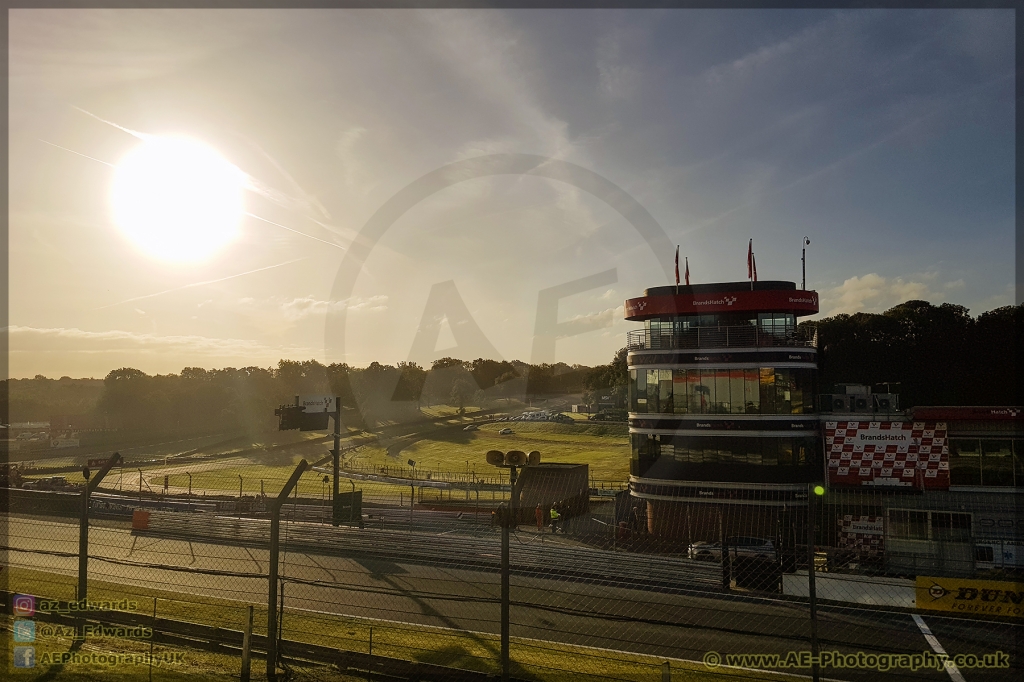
x: 862, y: 534
x: 904, y: 454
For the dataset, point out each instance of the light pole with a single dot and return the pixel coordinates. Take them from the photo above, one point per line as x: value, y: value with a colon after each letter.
x: 239, y: 495
x: 323, y: 494
x: 803, y: 264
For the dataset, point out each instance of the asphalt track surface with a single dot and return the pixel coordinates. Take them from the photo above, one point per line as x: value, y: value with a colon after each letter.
x: 671, y: 623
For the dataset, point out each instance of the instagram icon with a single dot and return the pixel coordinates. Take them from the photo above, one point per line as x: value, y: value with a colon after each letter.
x: 24, y: 605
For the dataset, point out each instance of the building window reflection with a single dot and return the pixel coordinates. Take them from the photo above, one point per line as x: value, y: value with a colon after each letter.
x: 766, y: 390
x: 986, y: 462
x: 787, y: 451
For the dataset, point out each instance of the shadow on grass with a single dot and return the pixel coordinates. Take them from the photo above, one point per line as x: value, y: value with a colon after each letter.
x: 57, y: 668
x: 379, y: 568
x: 453, y: 435
x: 455, y: 656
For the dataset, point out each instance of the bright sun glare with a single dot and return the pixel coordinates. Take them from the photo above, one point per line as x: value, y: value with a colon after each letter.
x: 177, y: 199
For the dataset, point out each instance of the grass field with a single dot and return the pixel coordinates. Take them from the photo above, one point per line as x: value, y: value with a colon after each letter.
x: 604, y: 447
x: 531, y: 659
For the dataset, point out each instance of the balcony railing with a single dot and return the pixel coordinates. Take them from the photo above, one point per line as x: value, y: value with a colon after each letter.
x: 743, y: 336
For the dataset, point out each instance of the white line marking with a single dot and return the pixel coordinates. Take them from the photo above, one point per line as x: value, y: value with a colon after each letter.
x: 954, y: 672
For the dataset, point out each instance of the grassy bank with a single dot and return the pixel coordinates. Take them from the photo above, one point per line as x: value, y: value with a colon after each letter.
x: 532, y: 659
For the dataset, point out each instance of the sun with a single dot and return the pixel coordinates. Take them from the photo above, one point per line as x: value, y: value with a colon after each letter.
x: 177, y: 199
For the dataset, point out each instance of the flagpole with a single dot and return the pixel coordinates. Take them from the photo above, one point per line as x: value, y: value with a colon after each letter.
x: 677, y: 269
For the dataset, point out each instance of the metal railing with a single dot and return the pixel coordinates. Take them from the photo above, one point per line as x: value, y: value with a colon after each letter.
x: 741, y: 336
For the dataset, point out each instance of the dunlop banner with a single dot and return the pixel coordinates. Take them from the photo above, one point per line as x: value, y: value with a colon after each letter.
x: 968, y: 596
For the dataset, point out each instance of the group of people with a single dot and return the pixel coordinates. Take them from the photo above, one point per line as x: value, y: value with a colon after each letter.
x: 550, y: 514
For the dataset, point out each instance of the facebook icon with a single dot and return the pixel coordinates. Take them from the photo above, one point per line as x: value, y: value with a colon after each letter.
x: 24, y: 657
x: 24, y: 631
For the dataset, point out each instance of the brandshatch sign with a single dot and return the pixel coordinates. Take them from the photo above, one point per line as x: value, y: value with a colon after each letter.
x: 317, y: 403
x: 901, y: 454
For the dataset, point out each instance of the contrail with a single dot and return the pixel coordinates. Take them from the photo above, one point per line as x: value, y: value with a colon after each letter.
x: 74, y: 152
x: 136, y: 133
x: 296, y: 231
x: 199, y: 284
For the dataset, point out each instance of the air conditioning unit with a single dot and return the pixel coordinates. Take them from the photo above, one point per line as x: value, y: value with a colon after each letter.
x: 885, y: 402
x: 834, y: 402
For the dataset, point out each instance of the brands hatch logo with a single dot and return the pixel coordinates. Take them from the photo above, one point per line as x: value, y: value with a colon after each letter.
x: 639, y: 307
x: 937, y: 592
x: 725, y: 300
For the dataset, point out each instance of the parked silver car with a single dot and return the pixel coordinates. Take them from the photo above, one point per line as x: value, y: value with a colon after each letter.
x: 739, y: 546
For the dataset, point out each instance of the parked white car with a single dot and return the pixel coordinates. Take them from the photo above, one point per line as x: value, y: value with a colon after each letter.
x: 739, y: 546
x: 505, y: 432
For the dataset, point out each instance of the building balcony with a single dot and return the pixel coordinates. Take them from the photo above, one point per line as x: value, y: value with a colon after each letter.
x: 742, y: 336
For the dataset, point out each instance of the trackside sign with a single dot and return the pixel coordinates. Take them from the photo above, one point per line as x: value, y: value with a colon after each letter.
x: 316, y: 403
x: 970, y: 597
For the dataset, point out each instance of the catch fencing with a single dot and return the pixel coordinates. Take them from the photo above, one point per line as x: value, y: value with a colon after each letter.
x: 626, y: 589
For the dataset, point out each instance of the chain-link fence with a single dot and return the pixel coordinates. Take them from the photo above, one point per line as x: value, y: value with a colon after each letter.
x: 603, y: 582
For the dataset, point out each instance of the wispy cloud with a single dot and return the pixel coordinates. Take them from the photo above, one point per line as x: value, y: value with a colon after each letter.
x: 199, y: 284
x: 580, y: 324
x: 289, y: 310
x: 298, y: 308
x: 872, y: 293
x: 25, y: 339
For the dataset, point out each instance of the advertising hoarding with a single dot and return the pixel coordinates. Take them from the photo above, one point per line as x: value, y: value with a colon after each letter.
x: 887, y: 453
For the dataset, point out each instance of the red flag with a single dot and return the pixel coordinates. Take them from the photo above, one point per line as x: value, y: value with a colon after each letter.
x: 753, y: 262
x: 677, y: 266
x: 687, y: 272
x: 750, y: 260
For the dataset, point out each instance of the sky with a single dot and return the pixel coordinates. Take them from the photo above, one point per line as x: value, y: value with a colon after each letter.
x: 886, y: 137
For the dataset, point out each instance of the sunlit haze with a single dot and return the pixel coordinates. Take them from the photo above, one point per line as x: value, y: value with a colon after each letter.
x: 185, y: 185
x: 177, y: 199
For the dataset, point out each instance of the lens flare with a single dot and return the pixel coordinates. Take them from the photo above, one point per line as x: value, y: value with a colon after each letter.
x: 177, y: 199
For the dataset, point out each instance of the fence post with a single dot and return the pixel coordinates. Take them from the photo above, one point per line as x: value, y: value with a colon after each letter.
x: 83, y: 523
x: 505, y: 521
x: 812, y: 596
x: 336, y: 454
x: 275, y: 551
x: 246, y: 648
x: 151, y: 638
x: 726, y: 577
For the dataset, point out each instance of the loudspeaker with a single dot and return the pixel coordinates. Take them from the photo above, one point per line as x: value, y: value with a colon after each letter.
x: 515, y: 458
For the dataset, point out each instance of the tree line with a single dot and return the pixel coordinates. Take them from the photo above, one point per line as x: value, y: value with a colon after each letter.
x: 206, y: 400
x: 928, y: 354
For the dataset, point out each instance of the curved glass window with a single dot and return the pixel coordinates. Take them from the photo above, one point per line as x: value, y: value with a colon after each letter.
x: 964, y: 461
x: 722, y: 391
x: 658, y: 455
